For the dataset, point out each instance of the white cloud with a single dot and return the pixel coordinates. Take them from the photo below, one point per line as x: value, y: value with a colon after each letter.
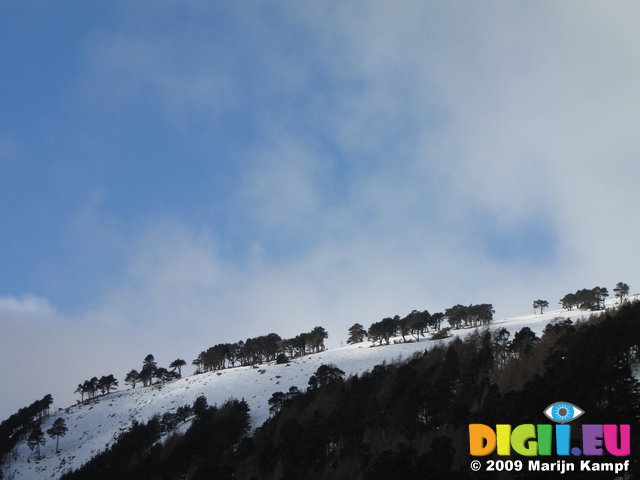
x: 283, y: 185
x: 45, y: 352
x: 173, y: 283
x: 28, y: 308
x: 521, y: 109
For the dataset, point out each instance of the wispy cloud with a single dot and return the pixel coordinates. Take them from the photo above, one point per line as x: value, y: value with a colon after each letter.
x: 26, y: 309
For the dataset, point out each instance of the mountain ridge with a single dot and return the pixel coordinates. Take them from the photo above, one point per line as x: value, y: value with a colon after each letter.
x: 95, y: 425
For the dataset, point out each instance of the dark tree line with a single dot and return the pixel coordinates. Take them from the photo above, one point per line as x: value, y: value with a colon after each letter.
x: 21, y: 424
x: 403, y: 420
x: 383, y: 330
x: 586, y: 299
x: 94, y: 386
x: 324, y: 376
x: 27, y: 423
x: 207, y: 449
x: 150, y: 372
x: 417, y: 324
x: 411, y: 420
x: 280, y: 399
x: 260, y: 349
x: 469, y: 316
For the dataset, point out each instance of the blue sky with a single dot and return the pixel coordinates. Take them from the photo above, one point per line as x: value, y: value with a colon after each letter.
x: 176, y: 174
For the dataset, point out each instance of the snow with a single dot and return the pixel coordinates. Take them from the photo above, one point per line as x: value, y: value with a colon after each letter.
x: 94, y: 427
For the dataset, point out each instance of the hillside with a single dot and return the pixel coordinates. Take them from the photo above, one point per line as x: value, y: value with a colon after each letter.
x: 94, y: 426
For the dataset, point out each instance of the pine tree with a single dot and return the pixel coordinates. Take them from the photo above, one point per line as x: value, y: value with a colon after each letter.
x: 586, y: 299
x: 523, y: 341
x: 325, y: 375
x: 540, y: 304
x: 275, y: 402
x: 418, y: 323
x: 375, y: 333
x: 35, y: 440
x: 455, y: 315
x: 601, y: 294
x: 200, y: 406
x: 165, y: 375
x: 500, y: 344
x: 45, y: 405
x: 403, y: 327
x: 382, y: 330
x: 569, y: 301
x: 148, y: 371
x: 317, y: 337
x: 90, y: 387
x: 178, y: 363
x: 107, y: 383
x: 435, y: 321
x: 81, y: 391
x: 357, y: 333
x: 132, y: 378
x: 621, y: 291
x: 57, y: 430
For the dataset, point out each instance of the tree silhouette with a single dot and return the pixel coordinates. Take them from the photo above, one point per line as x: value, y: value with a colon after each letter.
x: 402, y: 326
x: 569, y: 301
x: 586, y: 299
x: 178, y: 363
x: 148, y: 371
x: 317, y: 336
x: 436, y: 320
x: 36, y: 438
x: 621, y: 291
x: 165, y: 375
x: 132, y: 378
x: 57, y: 430
x: 200, y: 406
x: 107, y: 383
x: 81, y: 391
x: 325, y: 375
x: 357, y: 333
x: 540, y: 304
x: 383, y: 330
x: 417, y: 323
x: 276, y: 401
x: 90, y: 387
x: 601, y: 294
x: 523, y: 341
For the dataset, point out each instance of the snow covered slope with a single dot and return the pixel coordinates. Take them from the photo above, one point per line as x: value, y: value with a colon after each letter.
x: 94, y: 427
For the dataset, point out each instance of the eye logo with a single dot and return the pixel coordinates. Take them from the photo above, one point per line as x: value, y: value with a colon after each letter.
x: 563, y: 412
